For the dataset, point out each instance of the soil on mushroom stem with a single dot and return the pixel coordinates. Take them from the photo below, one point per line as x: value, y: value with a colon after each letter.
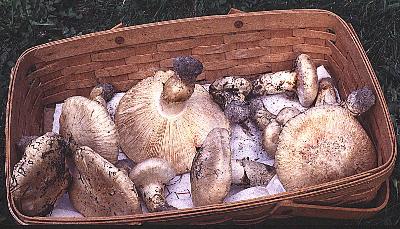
x: 377, y: 23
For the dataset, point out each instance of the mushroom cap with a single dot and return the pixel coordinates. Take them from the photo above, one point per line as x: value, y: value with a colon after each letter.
x: 237, y: 111
x: 40, y: 177
x: 147, y: 131
x: 99, y: 188
x: 286, y: 114
x: 211, y: 173
x: 152, y: 171
x: 87, y: 123
x: 230, y: 88
x: 307, y: 80
x: 322, y: 144
x: 360, y: 100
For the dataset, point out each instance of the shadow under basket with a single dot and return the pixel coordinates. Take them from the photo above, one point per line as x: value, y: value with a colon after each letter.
x: 241, y: 44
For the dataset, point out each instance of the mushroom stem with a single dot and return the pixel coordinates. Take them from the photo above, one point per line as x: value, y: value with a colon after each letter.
x: 251, y: 173
x: 153, y: 196
x: 359, y: 101
x: 102, y: 93
x: 180, y: 86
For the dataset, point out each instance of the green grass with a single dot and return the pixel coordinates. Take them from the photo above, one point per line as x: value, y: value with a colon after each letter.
x: 25, y: 23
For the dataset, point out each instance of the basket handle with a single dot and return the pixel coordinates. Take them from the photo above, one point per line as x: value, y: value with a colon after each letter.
x: 231, y: 11
x: 287, y: 208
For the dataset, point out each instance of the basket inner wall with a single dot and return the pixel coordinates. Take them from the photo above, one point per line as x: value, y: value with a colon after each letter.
x: 238, y: 45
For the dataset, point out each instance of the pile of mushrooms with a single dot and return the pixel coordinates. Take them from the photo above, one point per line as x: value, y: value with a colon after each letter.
x: 168, y: 125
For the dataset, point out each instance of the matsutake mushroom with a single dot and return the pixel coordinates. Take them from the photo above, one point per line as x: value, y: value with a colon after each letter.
x: 99, y: 188
x: 86, y: 122
x: 41, y: 176
x: 150, y: 177
x: 168, y: 116
x: 304, y: 81
x: 325, y: 143
x: 213, y: 171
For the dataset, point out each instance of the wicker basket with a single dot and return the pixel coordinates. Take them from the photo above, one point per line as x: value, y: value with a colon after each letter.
x: 237, y: 44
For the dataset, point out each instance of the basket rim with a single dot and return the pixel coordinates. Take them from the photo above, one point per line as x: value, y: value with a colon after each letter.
x: 362, y: 178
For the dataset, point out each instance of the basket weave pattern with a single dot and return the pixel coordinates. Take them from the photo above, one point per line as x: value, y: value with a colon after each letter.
x: 244, y: 44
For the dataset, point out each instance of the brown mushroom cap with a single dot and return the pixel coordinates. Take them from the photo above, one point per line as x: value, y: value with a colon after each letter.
x: 322, y: 144
x: 99, y: 188
x: 307, y: 80
x: 40, y: 177
x: 148, y: 129
x: 87, y: 123
x: 211, y: 172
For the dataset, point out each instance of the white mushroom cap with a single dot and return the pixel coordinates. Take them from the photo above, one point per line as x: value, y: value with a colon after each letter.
x: 211, y: 172
x: 307, y: 80
x: 322, y: 144
x: 150, y: 176
x: 99, y: 188
x: 40, y: 177
x: 87, y: 123
x: 150, y: 125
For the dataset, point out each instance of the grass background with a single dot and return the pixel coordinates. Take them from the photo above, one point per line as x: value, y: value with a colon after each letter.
x: 25, y: 23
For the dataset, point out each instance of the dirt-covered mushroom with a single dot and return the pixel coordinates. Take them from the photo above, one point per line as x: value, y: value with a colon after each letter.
x: 86, y: 122
x: 237, y: 111
x: 99, y: 188
x: 168, y: 116
x: 213, y: 171
x: 41, y: 176
x: 326, y: 92
x: 270, y: 137
x: 228, y: 89
x: 325, y: 143
x: 259, y: 113
x: 303, y: 80
x: 150, y: 177
x: 102, y: 93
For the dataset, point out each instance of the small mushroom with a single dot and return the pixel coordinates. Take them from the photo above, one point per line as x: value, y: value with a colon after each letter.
x: 213, y: 171
x: 227, y: 89
x: 270, y: 137
x: 41, y: 176
x: 270, y: 124
x: 251, y: 173
x: 303, y: 80
x: 150, y: 176
x: 168, y: 116
x: 325, y: 143
x: 326, y: 92
x: 86, y: 122
x: 99, y: 188
x: 102, y: 93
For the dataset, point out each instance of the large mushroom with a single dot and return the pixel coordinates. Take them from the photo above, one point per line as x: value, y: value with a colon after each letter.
x: 168, y: 116
x: 325, y: 143
x: 41, y: 176
x: 213, y: 171
x: 150, y: 177
x: 86, y: 122
x: 303, y: 80
x: 99, y: 188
